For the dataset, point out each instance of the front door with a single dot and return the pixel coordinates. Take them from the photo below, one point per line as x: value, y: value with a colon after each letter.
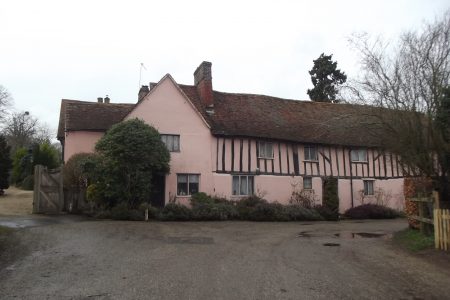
x: 158, y: 190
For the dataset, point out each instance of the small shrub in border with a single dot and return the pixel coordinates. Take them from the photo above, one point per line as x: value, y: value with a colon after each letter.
x: 371, y: 211
x: 327, y: 213
x: 247, y: 204
x: 175, y: 212
x: 296, y: 212
x: 214, y: 212
x: 122, y: 212
x: 267, y: 212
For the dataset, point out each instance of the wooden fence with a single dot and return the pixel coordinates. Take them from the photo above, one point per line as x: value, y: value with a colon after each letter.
x: 430, y: 217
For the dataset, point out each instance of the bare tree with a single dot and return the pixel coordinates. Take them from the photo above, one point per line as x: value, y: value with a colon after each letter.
x: 5, y: 102
x: 411, y: 80
x: 22, y: 130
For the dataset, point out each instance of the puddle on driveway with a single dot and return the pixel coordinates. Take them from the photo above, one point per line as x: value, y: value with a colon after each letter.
x: 190, y: 240
x: 356, y: 235
x: 331, y: 244
x: 304, y: 234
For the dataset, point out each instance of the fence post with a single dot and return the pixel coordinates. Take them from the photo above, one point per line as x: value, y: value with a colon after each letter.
x: 37, y: 189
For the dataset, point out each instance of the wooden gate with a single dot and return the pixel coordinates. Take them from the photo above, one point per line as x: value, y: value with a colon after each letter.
x: 48, y: 194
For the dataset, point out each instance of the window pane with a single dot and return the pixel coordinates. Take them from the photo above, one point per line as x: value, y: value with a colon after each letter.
x: 194, y: 178
x: 355, y: 156
x: 243, y: 190
x: 170, y: 142
x: 182, y: 178
x: 310, y: 153
x: 164, y: 139
x: 250, y: 185
x: 235, y: 185
x: 269, y: 150
x: 307, y: 183
x: 193, y: 188
x: 262, y: 150
x: 362, y: 155
x: 176, y: 143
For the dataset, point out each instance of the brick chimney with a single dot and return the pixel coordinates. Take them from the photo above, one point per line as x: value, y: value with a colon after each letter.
x: 100, y: 100
x: 107, y: 99
x: 143, y: 91
x: 203, y: 82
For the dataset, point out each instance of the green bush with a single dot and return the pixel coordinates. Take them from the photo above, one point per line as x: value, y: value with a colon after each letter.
x: 201, y: 198
x: 330, y: 197
x: 28, y: 183
x: 296, y: 212
x: 175, y: 212
x: 246, y: 205
x: 327, y: 213
x: 122, y: 212
x: 214, y: 212
x: 267, y: 212
x: 153, y: 212
x: 371, y: 211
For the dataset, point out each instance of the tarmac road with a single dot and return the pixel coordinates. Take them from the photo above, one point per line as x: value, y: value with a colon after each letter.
x: 216, y: 260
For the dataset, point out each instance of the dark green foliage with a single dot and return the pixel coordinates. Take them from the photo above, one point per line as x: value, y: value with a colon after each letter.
x: 326, y: 213
x: 330, y: 195
x: 371, y: 211
x: 299, y: 213
x: 214, y: 212
x: 245, y: 205
x: 122, y: 212
x: 267, y: 212
x: 5, y: 164
x: 46, y: 155
x: 22, y: 165
x: 129, y: 154
x: 175, y: 212
x: 25, y: 159
x: 28, y: 183
x: 76, y: 170
x: 325, y: 77
x: 201, y: 198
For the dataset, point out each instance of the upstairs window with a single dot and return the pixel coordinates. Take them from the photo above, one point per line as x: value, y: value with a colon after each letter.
x: 359, y: 155
x: 187, y: 184
x: 172, y: 142
x: 311, y: 153
x: 242, y: 185
x: 265, y: 150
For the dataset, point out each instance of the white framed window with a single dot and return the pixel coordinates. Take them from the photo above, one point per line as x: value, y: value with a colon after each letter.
x: 368, y: 188
x: 265, y: 150
x: 187, y: 184
x: 359, y: 155
x: 307, y: 183
x: 172, y: 142
x: 311, y: 152
x: 242, y: 185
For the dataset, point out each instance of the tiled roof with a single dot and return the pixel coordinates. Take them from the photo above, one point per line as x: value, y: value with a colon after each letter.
x: 247, y: 115
x: 90, y: 116
x: 292, y: 120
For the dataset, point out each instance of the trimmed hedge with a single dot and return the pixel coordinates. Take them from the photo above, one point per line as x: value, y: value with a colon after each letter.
x: 207, y: 208
x: 371, y: 211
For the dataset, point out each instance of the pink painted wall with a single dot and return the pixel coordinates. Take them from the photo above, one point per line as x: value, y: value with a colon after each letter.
x: 166, y: 109
x: 80, y: 141
x: 388, y: 192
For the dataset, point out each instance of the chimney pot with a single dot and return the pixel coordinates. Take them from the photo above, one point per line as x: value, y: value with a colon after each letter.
x: 100, y: 100
x: 152, y: 85
x: 203, y: 82
x: 107, y: 99
x: 143, y: 91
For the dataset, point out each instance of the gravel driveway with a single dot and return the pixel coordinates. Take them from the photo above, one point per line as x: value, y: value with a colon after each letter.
x: 217, y: 260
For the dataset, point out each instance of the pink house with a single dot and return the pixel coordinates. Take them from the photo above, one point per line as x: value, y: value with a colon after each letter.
x: 233, y: 145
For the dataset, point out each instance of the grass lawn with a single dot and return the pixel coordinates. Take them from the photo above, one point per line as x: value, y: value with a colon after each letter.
x: 413, y: 240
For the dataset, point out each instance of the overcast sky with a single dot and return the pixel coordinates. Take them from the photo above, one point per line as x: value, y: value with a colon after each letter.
x: 82, y: 50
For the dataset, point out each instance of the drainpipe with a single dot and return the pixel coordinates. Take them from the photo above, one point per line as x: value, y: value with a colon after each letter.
x: 351, y: 174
